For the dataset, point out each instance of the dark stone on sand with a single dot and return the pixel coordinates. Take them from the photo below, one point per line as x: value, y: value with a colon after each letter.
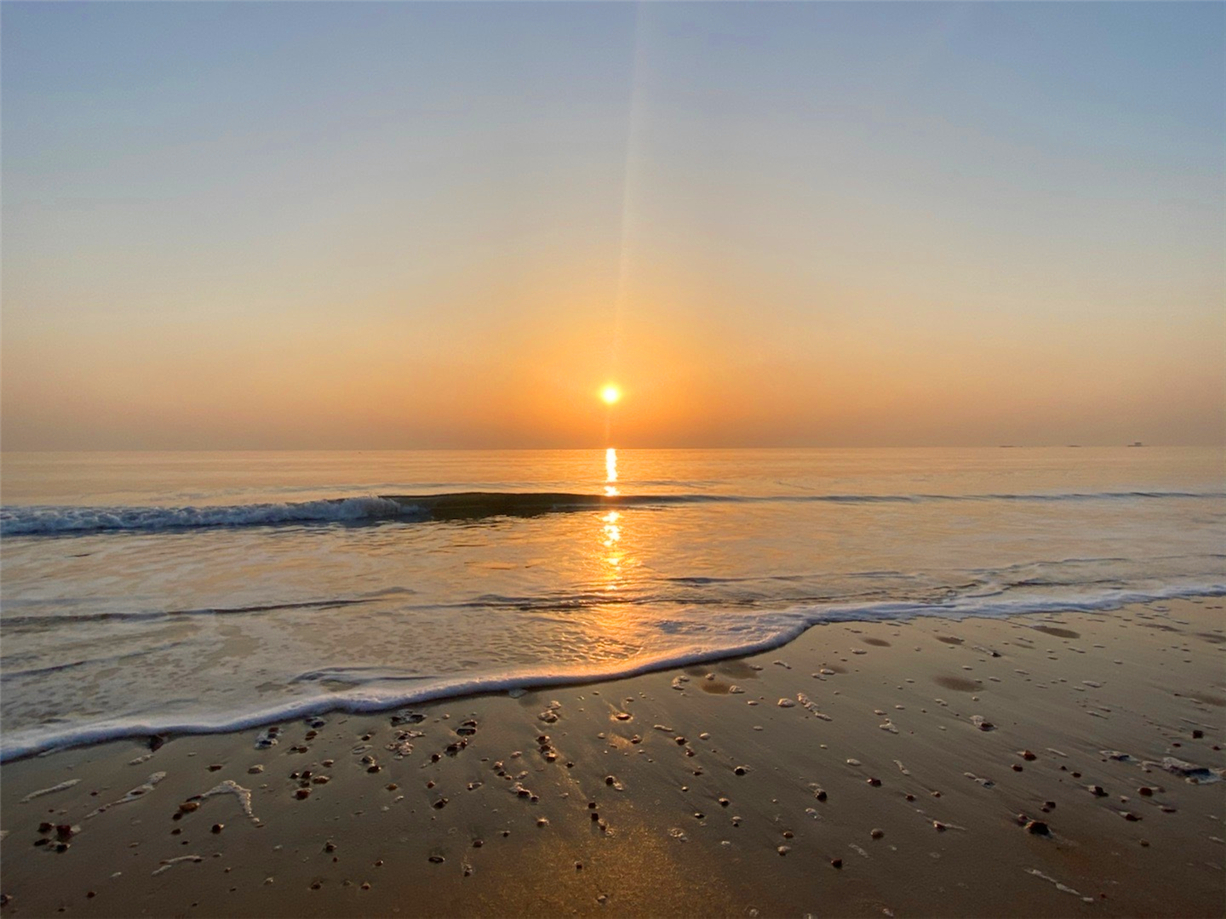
x: 1038, y: 828
x: 46, y: 827
x: 218, y: 827
x: 938, y: 826
x: 1129, y: 816
x: 435, y: 757
x: 1028, y: 756
x: 876, y: 834
x: 188, y: 806
x: 1145, y: 791
x: 836, y: 863
x: 609, y: 780
x: 1017, y: 767
x: 1197, y: 734
x: 478, y: 843
x: 41, y: 842
x: 875, y: 782
x: 910, y: 797
x: 724, y: 802
x: 437, y: 859
x: 741, y: 770
x: 595, y: 816
x: 329, y: 846
x: 302, y: 793
x: 61, y: 847
x: 375, y: 768
x: 439, y: 804
x: 157, y: 740
x: 1097, y: 791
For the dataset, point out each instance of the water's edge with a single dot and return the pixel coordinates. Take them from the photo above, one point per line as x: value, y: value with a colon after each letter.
x: 792, y: 624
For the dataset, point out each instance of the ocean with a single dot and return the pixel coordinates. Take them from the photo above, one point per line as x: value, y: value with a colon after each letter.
x: 146, y: 593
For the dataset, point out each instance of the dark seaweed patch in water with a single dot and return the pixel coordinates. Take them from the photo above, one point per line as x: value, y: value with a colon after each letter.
x: 958, y: 683
x: 879, y: 642
x: 1059, y: 633
x: 1210, y: 636
x: 949, y: 639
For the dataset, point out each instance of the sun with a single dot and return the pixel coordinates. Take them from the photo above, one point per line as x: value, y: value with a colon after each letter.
x: 610, y: 394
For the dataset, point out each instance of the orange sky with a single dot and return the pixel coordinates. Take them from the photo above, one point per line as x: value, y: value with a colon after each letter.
x: 793, y: 224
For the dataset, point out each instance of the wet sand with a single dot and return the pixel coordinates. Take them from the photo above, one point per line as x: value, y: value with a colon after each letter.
x: 1060, y: 765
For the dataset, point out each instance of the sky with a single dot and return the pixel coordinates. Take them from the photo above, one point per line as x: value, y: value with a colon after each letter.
x: 401, y: 225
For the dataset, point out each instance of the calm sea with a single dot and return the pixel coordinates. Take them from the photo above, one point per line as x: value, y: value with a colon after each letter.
x: 150, y: 592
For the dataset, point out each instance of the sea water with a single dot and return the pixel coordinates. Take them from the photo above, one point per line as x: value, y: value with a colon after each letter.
x: 143, y: 593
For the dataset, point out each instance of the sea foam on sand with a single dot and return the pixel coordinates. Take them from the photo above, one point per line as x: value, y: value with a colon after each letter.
x: 1063, y: 764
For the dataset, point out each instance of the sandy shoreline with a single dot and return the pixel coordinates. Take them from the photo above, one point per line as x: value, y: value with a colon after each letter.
x: 871, y: 791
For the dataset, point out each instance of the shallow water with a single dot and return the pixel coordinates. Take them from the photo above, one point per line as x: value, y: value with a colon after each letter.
x: 199, y: 591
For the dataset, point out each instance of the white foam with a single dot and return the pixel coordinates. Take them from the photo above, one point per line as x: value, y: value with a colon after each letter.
x: 48, y: 521
x: 764, y: 631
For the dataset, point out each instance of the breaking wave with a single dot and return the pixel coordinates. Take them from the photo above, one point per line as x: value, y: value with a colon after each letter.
x: 42, y: 520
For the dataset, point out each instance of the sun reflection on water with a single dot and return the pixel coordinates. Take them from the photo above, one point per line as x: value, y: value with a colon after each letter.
x: 610, y: 468
x: 611, y: 532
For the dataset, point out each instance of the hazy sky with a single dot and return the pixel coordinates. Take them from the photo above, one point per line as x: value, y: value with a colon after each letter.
x: 242, y: 225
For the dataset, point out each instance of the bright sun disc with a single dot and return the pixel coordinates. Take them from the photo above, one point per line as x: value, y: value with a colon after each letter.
x: 610, y: 394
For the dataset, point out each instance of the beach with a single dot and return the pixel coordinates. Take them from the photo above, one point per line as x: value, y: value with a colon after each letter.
x: 1054, y: 764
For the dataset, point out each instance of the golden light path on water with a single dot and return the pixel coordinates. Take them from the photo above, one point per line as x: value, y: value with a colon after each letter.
x: 611, y: 533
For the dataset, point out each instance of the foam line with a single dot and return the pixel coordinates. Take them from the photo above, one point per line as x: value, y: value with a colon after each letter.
x: 770, y: 630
